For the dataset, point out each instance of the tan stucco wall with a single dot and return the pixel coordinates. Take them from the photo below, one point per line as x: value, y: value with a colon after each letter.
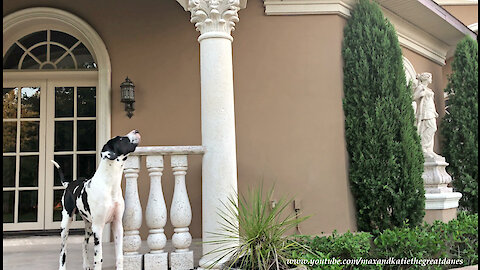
x: 467, y: 14
x: 288, y: 91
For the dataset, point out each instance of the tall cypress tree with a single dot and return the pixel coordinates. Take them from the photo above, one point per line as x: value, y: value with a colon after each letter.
x: 386, y: 160
x: 460, y: 127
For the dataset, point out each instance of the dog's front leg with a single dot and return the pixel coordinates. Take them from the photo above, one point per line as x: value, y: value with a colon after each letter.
x: 118, y: 235
x: 97, y: 230
x: 88, y: 233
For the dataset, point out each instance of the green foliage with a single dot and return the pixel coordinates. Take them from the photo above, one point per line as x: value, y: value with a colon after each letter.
x: 260, y: 232
x: 457, y: 239
x: 386, y: 160
x: 460, y: 126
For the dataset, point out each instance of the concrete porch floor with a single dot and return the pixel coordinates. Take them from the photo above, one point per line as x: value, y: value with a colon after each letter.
x: 42, y: 252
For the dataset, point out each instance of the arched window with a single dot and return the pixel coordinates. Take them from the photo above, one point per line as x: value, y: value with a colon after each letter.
x: 48, y: 49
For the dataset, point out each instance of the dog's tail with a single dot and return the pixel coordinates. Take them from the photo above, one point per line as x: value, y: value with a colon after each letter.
x: 60, y: 173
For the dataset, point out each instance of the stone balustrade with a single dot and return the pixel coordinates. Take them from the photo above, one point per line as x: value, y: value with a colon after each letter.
x: 156, y: 211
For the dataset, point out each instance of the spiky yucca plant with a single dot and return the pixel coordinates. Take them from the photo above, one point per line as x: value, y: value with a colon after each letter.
x: 260, y: 231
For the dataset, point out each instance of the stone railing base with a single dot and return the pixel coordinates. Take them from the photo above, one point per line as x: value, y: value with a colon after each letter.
x: 156, y: 261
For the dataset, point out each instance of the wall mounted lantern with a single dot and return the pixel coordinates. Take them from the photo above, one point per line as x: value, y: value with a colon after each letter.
x: 128, y: 96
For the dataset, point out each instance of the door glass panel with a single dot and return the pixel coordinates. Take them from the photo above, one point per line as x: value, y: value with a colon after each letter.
x: 28, y: 171
x: 9, y: 136
x: 63, y: 101
x: 8, y: 171
x: 85, y: 166
x: 86, y: 101
x: 86, y: 135
x: 8, y: 205
x: 27, y: 206
x: 66, y: 164
x: 29, y: 132
x: 63, y: 136
x: 57, y: 204
x: 10, y: 102
x: 30, y: 102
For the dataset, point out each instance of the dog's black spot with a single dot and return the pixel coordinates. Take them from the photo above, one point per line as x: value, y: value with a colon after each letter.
x: 64, y: 258
x: 95, y: 253
x: 87, y: 239
x: 101, y: 260
x: 85, y: 202
x: 69, y: 197
x: 125, y: 158
x: 96, y: 240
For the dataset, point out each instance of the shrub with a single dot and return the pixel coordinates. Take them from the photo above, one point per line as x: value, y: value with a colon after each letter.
x: 260, y: 232
x: 460, y: 126
x: 386, y: 160
x: 457, y: 239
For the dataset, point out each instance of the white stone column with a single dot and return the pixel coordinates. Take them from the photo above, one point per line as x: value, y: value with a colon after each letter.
x: 132, y: 217
x: 215, y: 19
x: 156, y: 217
x: 181, y: 216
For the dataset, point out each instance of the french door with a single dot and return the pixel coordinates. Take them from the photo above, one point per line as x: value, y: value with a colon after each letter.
x: 43, y: 120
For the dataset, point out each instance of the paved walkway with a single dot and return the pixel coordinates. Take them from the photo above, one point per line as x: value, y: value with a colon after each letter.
x: 42, y: 253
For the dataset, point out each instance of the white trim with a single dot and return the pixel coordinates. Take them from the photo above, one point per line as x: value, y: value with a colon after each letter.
x: 409, y: 35
x: 438, y: 201
x: 456, y: 2
x: 410, y: 73
x: 29, y: 20
x: 474, y: 27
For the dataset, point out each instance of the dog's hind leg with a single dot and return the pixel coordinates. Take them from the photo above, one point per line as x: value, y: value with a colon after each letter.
x: 88, y: 234
x: 97, y: 230
x: 65, y: 226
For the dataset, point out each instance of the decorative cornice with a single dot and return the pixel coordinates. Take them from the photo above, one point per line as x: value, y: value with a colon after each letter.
x: 215, y: 18
x: 299, y: 7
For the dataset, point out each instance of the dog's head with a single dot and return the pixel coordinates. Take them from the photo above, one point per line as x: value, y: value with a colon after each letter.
x: 121, y: 146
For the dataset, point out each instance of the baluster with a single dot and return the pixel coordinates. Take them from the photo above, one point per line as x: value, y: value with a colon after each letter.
x: 132, y: 217
x: 156, y: 217
x: 181, y: 216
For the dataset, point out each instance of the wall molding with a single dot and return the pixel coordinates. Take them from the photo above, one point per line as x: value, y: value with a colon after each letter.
x: 410, y: 36
x: 456, y: 2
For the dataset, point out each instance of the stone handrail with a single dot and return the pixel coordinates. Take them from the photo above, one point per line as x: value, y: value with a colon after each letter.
x: 156, y: 212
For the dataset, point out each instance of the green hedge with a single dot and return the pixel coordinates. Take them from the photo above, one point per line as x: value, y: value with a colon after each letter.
x: 385, y: 156
x: 460, y: 126
x: 457, y: 239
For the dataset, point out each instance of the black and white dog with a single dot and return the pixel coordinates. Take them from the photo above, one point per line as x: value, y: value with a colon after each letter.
x: 99, y: 200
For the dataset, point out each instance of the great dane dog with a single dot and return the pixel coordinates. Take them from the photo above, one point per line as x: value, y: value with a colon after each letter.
x: 99, y: 200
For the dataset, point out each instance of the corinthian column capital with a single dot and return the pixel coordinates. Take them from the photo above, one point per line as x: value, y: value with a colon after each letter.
x: 214, y: 16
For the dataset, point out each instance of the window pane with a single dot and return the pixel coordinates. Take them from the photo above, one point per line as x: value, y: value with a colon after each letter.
x: 8, y: 204
x: 9, y: 136
x: 84, y: 57
x: 27, y: 206
x: 62, y: 38
x: 63, y: 136
x: 33, y: 38
x: 8, y: 171
x: 29, y: 63
x: 86, y: 101
x: 66, y: 63
x: 86, y: 135
x: 10, y: 102
x: 63, y: 101
x: 28, y: 171
x: 57, y: 204
x: 56, y: 52
x: 85, y: 166
x: 40, y: 52
x: 29, y: 136
x: 66, y: 164
x: 12, y: 57
x: 30, y: 102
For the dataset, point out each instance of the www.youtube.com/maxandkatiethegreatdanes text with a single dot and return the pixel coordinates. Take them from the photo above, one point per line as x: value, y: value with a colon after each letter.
x: 372, y: 261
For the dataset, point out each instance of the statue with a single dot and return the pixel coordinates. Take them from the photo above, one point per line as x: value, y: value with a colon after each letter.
x: 425, y: 113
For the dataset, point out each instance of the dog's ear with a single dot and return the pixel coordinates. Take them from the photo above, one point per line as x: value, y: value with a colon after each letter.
x: 108, y: 150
